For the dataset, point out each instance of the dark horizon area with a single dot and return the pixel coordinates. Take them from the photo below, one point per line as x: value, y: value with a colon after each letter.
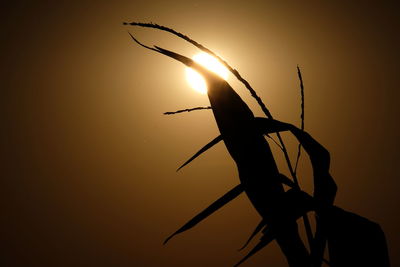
x: 88, y: 158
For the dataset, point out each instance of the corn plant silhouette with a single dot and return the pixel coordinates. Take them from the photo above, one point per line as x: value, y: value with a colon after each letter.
x: 352, y: 240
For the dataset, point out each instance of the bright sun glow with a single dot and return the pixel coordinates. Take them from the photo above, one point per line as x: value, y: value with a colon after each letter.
x: 197, y: 81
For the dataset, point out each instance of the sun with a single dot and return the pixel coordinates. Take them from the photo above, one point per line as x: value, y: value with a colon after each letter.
x: 197, y: 81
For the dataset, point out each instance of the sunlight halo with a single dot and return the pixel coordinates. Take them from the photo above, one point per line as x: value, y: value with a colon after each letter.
x: 197, y: 81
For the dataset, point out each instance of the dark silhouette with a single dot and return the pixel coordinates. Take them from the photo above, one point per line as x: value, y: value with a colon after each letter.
x: 352, y: 239
x: 185, y: 110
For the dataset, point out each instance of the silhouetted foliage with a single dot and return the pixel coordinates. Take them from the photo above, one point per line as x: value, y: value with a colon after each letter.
x: 185, y: 110
x: 301, y: 116
x: 352, y: 239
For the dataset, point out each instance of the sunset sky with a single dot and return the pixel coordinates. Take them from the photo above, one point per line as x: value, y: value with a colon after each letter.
x: 88, y: 159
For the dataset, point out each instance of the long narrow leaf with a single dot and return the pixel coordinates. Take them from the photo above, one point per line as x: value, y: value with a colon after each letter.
x: 259, y: 227
x: 265, y: 240
x: 233, y: 193
x: 203, y: 149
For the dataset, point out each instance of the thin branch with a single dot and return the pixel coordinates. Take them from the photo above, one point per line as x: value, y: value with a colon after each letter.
x: 185, y: 110
x: 301, y: 116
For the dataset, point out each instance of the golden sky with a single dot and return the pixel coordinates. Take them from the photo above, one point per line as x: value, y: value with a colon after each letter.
x: 88, y: 160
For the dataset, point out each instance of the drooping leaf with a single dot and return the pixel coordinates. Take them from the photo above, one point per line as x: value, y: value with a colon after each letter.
x: 267, y: 126
x: 354, y: 240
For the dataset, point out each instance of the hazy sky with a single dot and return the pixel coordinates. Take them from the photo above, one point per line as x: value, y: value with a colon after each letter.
x: 88, y: 160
